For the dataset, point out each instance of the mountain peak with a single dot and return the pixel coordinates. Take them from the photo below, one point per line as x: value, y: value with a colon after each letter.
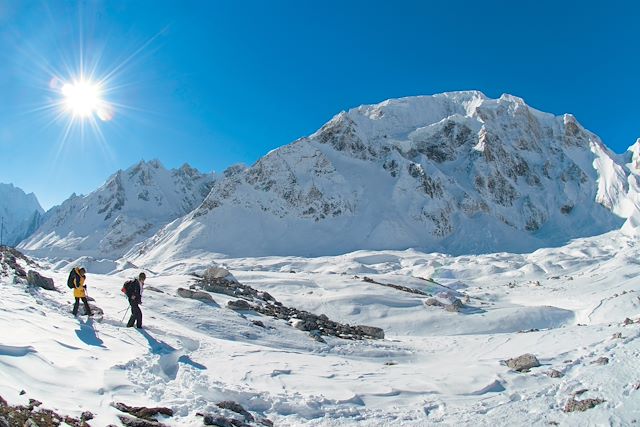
x: 456, y: 172
x: 131, y: 206
x: 20, y: 213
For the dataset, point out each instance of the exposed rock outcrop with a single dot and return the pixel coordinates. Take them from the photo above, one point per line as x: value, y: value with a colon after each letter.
x: 263, y: 303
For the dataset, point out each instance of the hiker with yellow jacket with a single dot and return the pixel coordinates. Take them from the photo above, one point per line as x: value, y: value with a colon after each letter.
x: 76, y: 281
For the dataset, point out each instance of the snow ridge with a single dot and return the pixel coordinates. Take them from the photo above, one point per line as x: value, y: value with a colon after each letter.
x: 130, y: 207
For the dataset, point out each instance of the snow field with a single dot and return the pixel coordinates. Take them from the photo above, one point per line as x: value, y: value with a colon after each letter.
x: 564, y: 305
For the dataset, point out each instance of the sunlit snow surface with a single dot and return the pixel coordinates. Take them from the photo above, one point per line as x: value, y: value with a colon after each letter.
x: 433, y: 367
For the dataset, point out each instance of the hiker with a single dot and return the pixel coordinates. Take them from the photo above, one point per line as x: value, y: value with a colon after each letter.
x: 77, y: 278
x: 133, y: 290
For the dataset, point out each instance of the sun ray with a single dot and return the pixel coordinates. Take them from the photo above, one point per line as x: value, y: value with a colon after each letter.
x: 81, y: 95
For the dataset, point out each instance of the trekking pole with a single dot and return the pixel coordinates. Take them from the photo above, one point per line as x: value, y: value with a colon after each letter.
x: 125, y: 314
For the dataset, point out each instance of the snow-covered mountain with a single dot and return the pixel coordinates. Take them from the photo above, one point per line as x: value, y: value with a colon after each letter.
x: 455, y: 172
x: 131, y: 206
x: 21, y: 214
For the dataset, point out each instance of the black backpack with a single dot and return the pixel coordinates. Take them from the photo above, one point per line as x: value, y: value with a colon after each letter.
x: 126, y: 288
x: 73, y: 275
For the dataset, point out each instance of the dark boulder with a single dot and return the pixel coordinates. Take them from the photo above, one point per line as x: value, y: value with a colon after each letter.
x: 35, y: 279
x: 239, y: 304
x: 237, y: 408
x: 523, y: 363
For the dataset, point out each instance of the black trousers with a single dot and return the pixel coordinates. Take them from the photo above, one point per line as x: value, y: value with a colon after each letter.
x: 87, y: 309
x: 136, y: 315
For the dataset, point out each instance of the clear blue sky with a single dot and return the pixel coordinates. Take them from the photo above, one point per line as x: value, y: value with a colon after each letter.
x: 213, y: 83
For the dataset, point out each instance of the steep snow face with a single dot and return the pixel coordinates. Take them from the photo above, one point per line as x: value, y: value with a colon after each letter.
x: 21, y: 214
x: 630, y: 206
x: 455, y: 172
x: 131, y: 206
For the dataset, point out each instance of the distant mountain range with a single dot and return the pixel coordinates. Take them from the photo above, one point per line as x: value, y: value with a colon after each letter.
x: 456, y: 173
x: 21, y: 214
x: 130, y: 207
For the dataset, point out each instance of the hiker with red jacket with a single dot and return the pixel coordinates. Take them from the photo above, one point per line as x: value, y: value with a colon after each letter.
x: 76, y: 281
x: 133, y: 290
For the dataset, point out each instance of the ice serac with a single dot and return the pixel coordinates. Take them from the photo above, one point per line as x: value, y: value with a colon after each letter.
x: 21, y: 214
x: 454, y: 172
x: 130, y: 207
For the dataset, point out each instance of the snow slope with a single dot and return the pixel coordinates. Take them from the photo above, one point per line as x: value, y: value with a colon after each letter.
x: 456, y: 172
x: 21, y: 212
x: 131, y: 206
x: 566, y: 305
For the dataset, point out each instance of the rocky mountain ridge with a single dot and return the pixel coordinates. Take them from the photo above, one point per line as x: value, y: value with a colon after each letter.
x: 129, y: 207
x: 21, y: 214
x: 455, y: 172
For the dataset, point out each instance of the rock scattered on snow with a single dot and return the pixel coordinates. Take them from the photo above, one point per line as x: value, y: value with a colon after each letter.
x: 86, y: 416
x: 317, y: 336
x: 371, y: 331
x: 239, y: 304
x: 573, y: 405
x: 447, y: 300
x: 220, y: 281
x: 237, y: 408
x: 263, y: 303
x: 601, y: 361
x: 526, y: 331
x: 523, y: 363
x: 145, y: 417
x: 305, y: 321
x: 398, y: 287
x: 258, y: 323
x: 217, y: 420
x: 35, y: 279
x: 138, y: 422
x: 554, y: 373
x: 199, y: 295
x: 227, y: 418
x: 20, y: 415
x: 218, y: 275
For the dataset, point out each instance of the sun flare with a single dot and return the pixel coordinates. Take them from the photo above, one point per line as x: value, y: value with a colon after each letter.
x: 84, y: 99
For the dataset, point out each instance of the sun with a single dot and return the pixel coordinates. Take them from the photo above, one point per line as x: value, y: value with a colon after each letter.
x: 83, y: 98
